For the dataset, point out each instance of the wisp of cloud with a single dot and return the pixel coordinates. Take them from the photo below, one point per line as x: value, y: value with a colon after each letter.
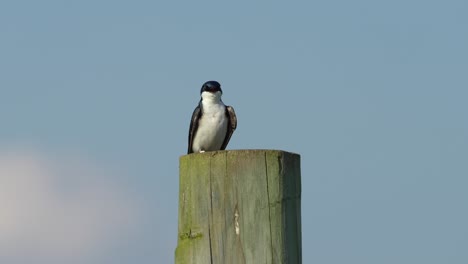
x: 60, y: 210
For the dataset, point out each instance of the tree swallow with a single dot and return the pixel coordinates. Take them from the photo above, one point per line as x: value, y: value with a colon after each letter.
x: 212, y: 122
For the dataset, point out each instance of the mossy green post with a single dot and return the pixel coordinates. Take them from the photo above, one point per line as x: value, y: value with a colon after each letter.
x: 239, y: 206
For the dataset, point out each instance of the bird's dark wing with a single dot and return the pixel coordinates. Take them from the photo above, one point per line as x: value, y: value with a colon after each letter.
x: 232, y: 125
x: 193, y: 127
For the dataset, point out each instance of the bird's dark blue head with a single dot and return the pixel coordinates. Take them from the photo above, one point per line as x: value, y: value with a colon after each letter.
x: 211, y: 86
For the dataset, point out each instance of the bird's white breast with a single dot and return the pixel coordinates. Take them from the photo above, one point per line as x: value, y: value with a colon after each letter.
x: 212, y: 127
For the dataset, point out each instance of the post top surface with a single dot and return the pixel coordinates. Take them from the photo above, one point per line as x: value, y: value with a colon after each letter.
x: 244, y: 151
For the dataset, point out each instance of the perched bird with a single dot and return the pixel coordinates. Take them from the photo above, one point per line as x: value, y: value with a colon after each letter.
x: 212, y: 122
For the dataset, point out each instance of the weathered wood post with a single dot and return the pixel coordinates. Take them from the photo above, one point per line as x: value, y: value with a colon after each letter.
x: 239, y: 206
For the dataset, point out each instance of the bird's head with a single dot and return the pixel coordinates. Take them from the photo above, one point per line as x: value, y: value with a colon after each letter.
x: 211, y: 89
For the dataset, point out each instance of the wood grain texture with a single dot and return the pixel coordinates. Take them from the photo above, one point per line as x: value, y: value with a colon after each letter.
x: 240, y: 206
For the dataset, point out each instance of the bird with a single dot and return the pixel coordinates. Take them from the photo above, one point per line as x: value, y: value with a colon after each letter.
x: 212, y: 122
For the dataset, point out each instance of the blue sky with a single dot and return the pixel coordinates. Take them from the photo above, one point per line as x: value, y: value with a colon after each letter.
x: 96, y: 98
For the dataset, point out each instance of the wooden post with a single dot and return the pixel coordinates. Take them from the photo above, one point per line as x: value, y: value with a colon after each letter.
x: 239, y: 206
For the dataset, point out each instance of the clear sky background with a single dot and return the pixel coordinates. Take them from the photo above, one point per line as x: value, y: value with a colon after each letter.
x: 96, y: 98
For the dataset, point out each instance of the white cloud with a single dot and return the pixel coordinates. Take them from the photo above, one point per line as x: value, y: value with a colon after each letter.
x: 60, y: 210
